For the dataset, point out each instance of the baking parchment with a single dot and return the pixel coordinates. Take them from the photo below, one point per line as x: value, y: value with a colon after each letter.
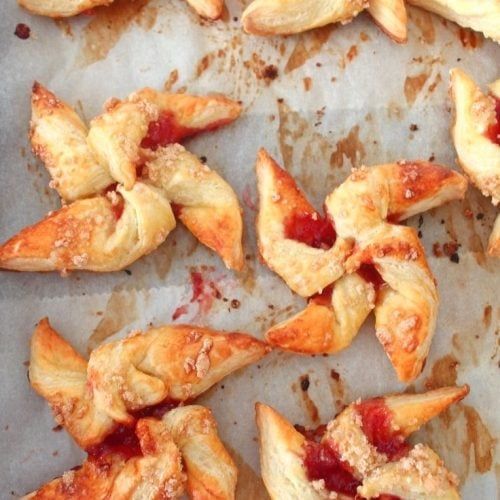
x: 321, y: 102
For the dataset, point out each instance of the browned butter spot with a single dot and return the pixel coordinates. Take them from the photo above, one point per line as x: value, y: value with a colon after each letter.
x: 349, y: 147
x: 414, y: 85
x: 444, y: 372
x: 423, y: 21
x: 478, y: 438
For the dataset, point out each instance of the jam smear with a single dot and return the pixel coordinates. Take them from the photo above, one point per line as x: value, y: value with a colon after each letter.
x: 176, y: 208
x: 165, y: 131
x: 322, y: 461
x: 324, y: 298
x: 157, y: 410
x: 370, y: 274
x: 493, y: 132
x: 314, y: 435
x: 311, y: 229
x: 122, y: 441
x: 376, y: 421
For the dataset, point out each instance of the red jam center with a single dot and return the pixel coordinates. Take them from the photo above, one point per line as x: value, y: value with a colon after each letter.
x: 311, y: 229
x: 324, y: 298
x: 370, y: 274
x: 323, y: 462
x: 493, y: 132
x: 377, y: 425
x: 164, y: 131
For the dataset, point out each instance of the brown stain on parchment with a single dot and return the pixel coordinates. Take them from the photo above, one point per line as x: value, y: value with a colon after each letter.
x: 108, y: 24
x: 171, y: 80
x: 414, y: 85
x: 120, y: 311
x: 163, y: 257
x: 470, y: 39
x: 250, y: 485
x: 64, y: 26
x: 349, y: 147
x: 479, y: 439
x: 337, y: 388
x: 487, y: 316
x: 261, y: 70
x: 444, y: 372
x: 306, y: 400
x: 423, y: 21
x: 291, y: 128
x: 307, y: 46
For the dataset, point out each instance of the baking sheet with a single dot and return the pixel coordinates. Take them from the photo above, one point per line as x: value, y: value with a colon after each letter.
x: 321, y: 102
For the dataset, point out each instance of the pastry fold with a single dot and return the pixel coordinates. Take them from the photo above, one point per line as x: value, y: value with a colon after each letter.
x: 165, y: 365
x: 364, y: 446
x: 373, y: 264
x: 476, y: 121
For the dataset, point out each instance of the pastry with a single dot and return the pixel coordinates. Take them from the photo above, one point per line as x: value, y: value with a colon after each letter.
x: 476, y: 135
x: 284, y: 17
x: 483, y: 16
x: 211, y: 9
x: 155, y: 459
x: 143, y: 374
x: 356, y: 258
x: 124, y: 181
x: 363, y: 451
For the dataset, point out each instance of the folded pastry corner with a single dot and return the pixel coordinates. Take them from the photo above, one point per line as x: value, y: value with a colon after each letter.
x: 476, y: 136
x: 144, y: 373
x: 363, y: 451
x: 355, y: 259
x: 391, y: 17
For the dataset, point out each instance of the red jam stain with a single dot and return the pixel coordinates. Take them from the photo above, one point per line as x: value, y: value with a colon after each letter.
x: 377, y: 425
x: 314, y: 435
x: 122, y: 441
x: 180, y: 311
x: 324, y: 298
x: 311, y: 229
x: 493, y: 132
x: 370, y: 274
x: 22, y: 31
x: 156, y: 411
x: 177, y: 209
x: 165, y: 131
x: 322, y: 461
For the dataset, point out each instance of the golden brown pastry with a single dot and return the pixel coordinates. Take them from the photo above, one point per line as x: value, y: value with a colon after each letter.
x: 483, y: 15
x: 211, y: 9
x: 476, y: 135
x: 155, y: 459
x: 355, y: 258
x: 284, y: 17
x: 121, y: 178
x: 363, y: 451
x: 143, y: 374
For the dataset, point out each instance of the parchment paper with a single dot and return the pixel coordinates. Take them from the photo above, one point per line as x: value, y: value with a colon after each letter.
x: 321, y: 102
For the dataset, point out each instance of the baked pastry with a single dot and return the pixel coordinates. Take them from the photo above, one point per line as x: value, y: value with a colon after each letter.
x: 476, y: 135
x: 211, y: 9
x: 483, y: 16
x: 285, y: 17
x: 363, y: 451
x: 155, y: 459
x: 143, y: 374
x: 123, y: 180
x: 355, y: 259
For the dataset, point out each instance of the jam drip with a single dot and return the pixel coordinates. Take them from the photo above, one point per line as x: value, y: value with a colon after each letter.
x: 322, y: 461
x: 324, y: 298
x: 370, y: 274
x: 165, y: 131
x: 376, y: 421
x: 493, y: 132
x: 311, y: 229
x: 123, y: 440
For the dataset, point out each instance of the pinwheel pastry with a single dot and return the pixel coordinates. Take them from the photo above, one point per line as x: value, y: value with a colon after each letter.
x: 356, y: 258
x: 476, y: 135
x: 363, y: 452
x: 483, y: 16
x: 211, y: 9
x: 124, y: 181
x: 125, y: 408
x: 285, y: 17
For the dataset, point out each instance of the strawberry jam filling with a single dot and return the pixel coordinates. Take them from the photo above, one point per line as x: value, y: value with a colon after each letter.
x: 166, y: 130
x: 370, y: 274
x: 493, y: 132
x: 322, y: 462
x: 376, y: 421
x: 324, y: 298
x: 311, y: 229
x: 123, y: 440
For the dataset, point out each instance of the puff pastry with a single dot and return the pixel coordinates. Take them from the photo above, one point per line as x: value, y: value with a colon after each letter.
x: 372, y: 263
x: 284, y: 17
x: 476, y: 136
x: 362, y: 452
x: 483, y: 16
x: 156, y: 459
x: 129, y: 378
x: 121, y: 178
x: 211, y: 9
